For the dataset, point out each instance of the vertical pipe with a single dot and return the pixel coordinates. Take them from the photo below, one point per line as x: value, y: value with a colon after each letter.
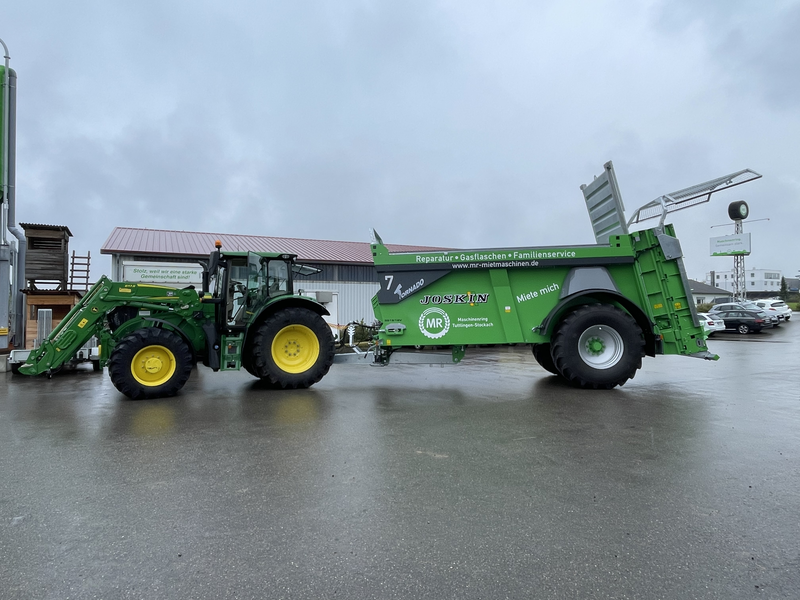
x: 4, y: 149
x: 18, y: 301
x: 9, y: 129
x: 5, y: 250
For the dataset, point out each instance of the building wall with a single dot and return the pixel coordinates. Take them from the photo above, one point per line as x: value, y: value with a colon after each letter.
x: 708, y: 298
x: 354, y: 299
x: 60, y: 304
x: 757, y: 280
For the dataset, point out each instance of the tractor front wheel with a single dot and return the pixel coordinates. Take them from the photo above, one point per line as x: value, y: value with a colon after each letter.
x: 150, y: 363
x: 292, y: 349
x: 598, y: 346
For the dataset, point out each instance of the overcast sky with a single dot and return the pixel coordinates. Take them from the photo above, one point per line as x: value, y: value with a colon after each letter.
x: 449, y: 123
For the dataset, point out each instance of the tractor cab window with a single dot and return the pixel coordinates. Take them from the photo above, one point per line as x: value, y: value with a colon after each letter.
x: 216, y: 282
x: 237, y: 290
x: 278, y: 277
x: 256, y: 273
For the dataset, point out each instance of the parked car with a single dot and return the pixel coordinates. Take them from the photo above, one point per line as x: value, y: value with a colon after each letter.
x: 711, y: 323
x: 771, y: 321
x: 752, y: 306
x: 777, y: 307
x: 743, y: 321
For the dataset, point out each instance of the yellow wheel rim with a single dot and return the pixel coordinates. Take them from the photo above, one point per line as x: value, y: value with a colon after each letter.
x: 153, y: 365
x: 295, y: 349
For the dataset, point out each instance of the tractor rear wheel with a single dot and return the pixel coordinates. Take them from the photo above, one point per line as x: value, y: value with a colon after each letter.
x: 150, y: 363
x: 598, y: 347
x: 541, y: 352
x: 292, y: 349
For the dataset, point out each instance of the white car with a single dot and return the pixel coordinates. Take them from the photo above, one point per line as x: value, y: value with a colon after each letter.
x: 775, y: 307
x: 711, y: 323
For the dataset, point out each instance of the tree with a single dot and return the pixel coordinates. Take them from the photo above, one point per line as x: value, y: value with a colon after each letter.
x: 784, y: 293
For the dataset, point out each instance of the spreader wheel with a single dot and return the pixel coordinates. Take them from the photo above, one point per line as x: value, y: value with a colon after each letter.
x: 598, y: 346
x: 542, y: 354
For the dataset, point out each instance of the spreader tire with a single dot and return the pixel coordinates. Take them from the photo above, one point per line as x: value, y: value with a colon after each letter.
x: 541, y: 352
x: 598, y: 347
x: 150, y: 363
x: 292, y: 349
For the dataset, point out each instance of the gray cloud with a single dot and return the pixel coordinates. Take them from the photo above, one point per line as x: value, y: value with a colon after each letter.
x: 453, y: 124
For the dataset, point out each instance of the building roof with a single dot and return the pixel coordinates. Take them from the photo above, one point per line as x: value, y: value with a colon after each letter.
x: 697, y: 287
x: 42, y: 227
x: 162, y: 242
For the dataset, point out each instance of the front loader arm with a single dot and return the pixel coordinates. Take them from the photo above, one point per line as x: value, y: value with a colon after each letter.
x: 87, y: 318
x: 72, y: 332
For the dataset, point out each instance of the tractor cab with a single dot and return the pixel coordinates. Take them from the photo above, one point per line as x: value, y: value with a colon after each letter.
x: 252, y: 281
x: 241, y: 283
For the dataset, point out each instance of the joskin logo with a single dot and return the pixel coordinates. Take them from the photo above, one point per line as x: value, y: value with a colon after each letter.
x: 434, y: 323
x: 468, y: 298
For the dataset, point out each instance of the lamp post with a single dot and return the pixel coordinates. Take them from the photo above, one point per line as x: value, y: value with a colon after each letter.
x: 738, y: 211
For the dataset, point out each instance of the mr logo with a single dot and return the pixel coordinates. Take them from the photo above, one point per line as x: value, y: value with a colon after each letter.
x: 434, y: 323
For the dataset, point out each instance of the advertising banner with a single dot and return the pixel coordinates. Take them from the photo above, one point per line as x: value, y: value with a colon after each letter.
x: 173, y: 274
x: 731, y: 245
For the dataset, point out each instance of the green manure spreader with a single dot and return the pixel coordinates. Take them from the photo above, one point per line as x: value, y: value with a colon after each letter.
x: 590, y: 313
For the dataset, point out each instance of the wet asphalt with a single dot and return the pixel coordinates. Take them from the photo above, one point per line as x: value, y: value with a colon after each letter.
x: 490, y: 480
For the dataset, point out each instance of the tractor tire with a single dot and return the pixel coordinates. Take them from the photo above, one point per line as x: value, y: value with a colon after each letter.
x: 150, y: 363
x: 541, y: 352
x: 247, y: 365
x: 292, y: 349
x: 598, y: 347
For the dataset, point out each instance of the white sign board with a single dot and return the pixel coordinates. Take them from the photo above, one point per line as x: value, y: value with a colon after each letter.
x: 731, y: 245
x: 172, y: 274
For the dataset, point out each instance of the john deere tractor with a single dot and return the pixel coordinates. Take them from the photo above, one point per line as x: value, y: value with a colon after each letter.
x: 151, y: 336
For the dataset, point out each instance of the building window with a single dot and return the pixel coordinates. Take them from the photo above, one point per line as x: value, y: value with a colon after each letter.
x: 752, y: 274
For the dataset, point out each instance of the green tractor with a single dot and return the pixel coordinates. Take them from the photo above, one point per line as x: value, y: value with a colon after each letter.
x: 151, y: 336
